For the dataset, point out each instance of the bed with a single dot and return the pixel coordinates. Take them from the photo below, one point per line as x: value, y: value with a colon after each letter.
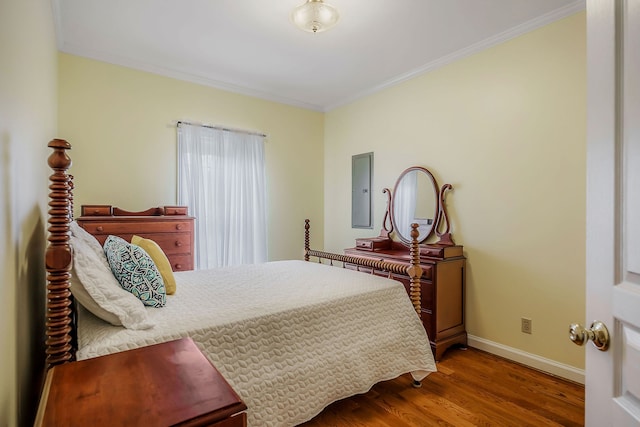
x: 289, y: 336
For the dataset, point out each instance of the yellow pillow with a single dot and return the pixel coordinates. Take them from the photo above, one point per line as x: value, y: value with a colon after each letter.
x: 160, y: 259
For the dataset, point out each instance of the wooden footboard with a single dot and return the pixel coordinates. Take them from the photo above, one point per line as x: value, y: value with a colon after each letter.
x: 413, y: 269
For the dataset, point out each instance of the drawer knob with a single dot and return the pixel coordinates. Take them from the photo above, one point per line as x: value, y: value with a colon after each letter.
x: 99, y: 228
x: 178, y: 243
x: 178, y: 226
x: 178, y: 266
x: 96, y: 211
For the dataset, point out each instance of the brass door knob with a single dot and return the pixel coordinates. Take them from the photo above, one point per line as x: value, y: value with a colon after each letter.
x: 598, y: 334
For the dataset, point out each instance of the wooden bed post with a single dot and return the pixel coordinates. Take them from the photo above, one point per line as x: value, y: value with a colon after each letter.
x: 58, y: 258
x: 306, y: 240
x: 414, y: 271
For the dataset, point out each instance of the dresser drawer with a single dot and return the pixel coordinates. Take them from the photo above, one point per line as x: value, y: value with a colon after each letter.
x: 373, y: 244
x: 181, y: 262
x: 171, y: 243
x: 134, y: 227
x: 364, y: 244
x: 358, y: 268
x: 427, y: 321
x: 93, y: 210
x: 175, y: 210
x: 177, y: 248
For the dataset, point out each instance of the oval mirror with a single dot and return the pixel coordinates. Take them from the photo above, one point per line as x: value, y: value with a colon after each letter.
x: 414, y: 199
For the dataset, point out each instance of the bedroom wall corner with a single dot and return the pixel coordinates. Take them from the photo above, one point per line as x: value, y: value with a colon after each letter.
x: 507, y: 128
x: 119, y: 122
x: 28, y: 121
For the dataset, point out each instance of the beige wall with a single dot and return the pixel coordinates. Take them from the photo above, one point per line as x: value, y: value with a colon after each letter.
x: 118, y: 121
x: 28, y: 102
x: 506, y: 127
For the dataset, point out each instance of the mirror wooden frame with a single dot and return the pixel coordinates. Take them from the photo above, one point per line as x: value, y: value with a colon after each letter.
x: 393, y: 206
x: 440, y: 226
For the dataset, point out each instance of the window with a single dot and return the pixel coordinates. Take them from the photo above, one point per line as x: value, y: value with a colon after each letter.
x: 221, y: 178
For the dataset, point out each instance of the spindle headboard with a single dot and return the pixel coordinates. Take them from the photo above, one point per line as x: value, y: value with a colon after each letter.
x: 60, y: 327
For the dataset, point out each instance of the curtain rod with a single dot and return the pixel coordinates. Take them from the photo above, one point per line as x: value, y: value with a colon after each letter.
x: 249, y: 132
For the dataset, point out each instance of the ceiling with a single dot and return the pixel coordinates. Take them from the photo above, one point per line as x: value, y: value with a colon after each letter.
x: 251, y: 47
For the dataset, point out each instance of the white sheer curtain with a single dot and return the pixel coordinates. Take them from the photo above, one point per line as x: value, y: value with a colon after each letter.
x: 221, y: 178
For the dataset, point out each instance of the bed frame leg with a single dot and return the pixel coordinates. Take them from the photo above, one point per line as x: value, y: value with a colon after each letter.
x: 416, y: 384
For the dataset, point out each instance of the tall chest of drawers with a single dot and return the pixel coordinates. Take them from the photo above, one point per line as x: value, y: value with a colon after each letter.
x: 170, y: 227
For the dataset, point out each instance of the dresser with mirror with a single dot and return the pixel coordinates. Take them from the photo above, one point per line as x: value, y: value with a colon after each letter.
x: 417, y: 198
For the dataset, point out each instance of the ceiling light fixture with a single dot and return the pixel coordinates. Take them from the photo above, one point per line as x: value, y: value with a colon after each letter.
x: 315, y: 16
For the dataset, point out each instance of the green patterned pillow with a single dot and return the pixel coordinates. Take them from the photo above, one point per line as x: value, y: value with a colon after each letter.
x: 135, y: 271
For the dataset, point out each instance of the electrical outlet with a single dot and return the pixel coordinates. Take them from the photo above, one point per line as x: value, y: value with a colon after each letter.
x: 526, y: 325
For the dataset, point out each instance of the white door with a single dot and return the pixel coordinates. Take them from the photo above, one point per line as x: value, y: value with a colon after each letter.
x: 613, y: 210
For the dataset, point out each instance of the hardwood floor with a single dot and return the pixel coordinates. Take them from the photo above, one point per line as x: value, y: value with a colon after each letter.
x: 471, y: 388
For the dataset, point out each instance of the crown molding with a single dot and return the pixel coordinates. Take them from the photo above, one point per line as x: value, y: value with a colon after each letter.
x: 541, y: 21
x: 516, y: 31
x: 185, y: 76
x: 164, y: 71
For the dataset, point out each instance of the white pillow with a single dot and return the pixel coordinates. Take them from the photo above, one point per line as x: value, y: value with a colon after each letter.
x: 89, y: 239
x: 95, y: 287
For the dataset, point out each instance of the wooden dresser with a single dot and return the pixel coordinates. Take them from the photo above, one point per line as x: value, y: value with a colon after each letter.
x: 166, y: 384
x: 441, y: 284
x: 417, y: 205
x: 169, y: 226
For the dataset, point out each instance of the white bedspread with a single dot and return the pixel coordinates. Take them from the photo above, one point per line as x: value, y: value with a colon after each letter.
x: 289, y: 336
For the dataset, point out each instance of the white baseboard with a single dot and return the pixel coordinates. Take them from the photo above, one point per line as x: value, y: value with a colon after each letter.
x: 528, y: 359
